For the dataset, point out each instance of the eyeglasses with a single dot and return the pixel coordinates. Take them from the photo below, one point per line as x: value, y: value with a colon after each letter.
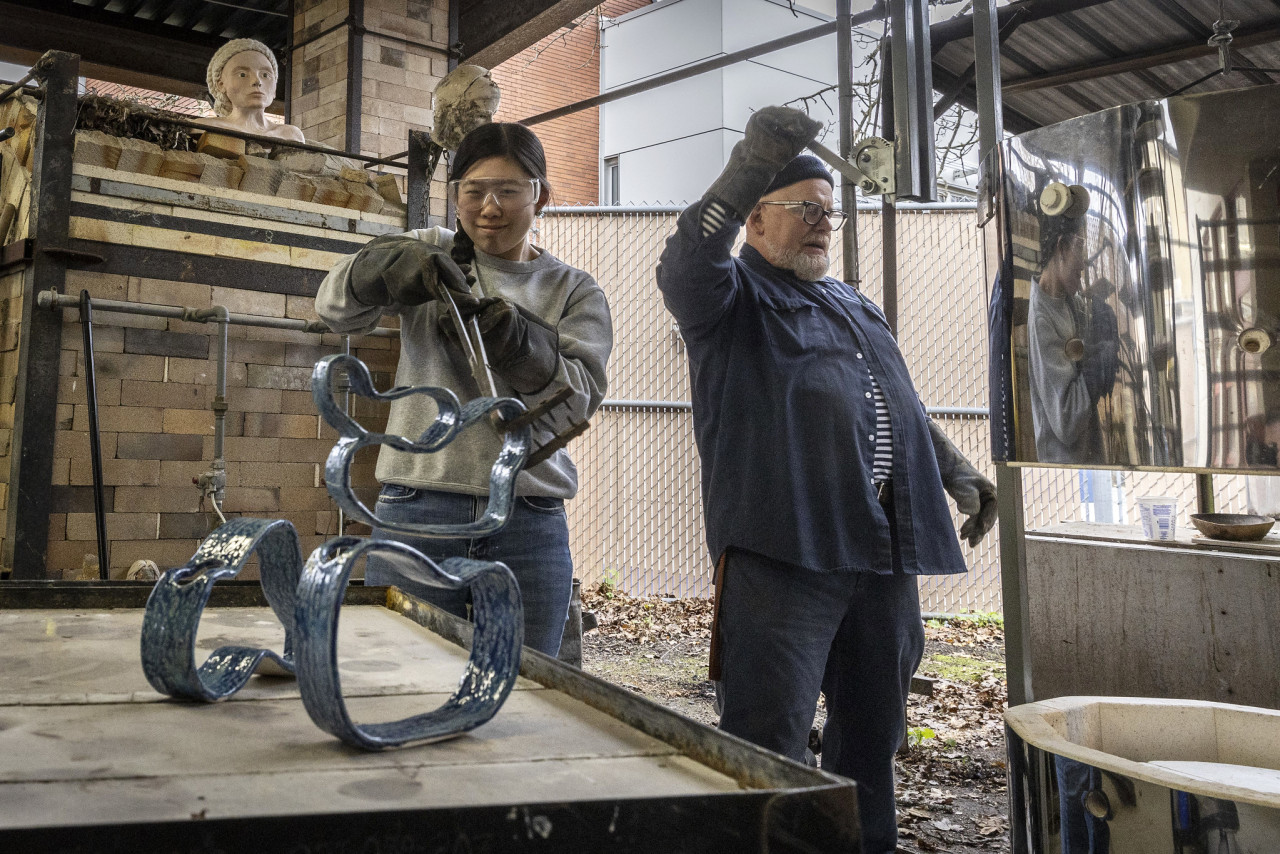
x: 813, y: 212
x: 509, y: 194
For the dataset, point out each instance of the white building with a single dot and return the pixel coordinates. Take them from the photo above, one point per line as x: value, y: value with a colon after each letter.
x: 654, y: 152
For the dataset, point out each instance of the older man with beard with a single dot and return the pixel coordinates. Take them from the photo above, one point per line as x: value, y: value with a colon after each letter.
x: 822, y: 477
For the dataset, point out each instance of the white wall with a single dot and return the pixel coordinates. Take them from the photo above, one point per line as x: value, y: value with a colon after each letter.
x: 672, y: 141
x: 665, y: 139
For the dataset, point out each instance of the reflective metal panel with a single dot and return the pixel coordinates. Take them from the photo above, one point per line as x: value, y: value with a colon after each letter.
x: 1143, y: 243
x: 1063, y: 806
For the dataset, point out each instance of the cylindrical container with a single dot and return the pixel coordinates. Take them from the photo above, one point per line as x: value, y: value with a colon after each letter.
x: 1159, y: 516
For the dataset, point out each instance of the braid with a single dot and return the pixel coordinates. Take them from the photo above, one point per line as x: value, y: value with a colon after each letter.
x: 463, y: 254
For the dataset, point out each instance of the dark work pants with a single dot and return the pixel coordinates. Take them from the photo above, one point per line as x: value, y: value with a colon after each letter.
x: 788, y: 633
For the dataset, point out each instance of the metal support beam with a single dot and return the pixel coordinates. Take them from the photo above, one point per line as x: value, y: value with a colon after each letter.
x: 888, y: 213
x: 912, y: 69
x: 418, y: 188
x: 848, y: 191
x: 490, y: 31
x: 26, y: 541
x: 1009, y: 502
x: 355, y: 71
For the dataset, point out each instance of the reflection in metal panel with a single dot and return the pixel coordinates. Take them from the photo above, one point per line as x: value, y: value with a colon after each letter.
x: 1146, y: 320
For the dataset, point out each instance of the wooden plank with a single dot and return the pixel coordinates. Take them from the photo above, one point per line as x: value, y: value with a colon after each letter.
x: 247, y: 230
x: 182, y: 216
x: 111, y: 179
x: 54, y: 656
x: 181, y: 739
x: 186, y: 195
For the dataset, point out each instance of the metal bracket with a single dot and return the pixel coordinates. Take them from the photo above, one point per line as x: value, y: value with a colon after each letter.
x: 872, y: 166
x: 874, y: 158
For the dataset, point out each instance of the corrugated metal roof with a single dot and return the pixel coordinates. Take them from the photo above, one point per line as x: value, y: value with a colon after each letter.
x: 1065, y: 58
x: 267, y: 21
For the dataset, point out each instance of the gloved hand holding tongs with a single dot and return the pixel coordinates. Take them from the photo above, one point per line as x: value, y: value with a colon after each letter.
x: 398, y: 269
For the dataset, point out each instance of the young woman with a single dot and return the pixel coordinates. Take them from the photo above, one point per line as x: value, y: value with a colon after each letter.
x: 545, y: 326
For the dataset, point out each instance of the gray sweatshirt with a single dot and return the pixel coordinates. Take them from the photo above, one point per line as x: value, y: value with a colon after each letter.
x: 566, y: 297
x: 1064, y: 417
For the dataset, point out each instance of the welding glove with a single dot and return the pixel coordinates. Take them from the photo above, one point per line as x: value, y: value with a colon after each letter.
x: 1101, y: 351
x: 774, y: 136
x: 522, y: 348
x: 974, y: 495
x: 400, y: 269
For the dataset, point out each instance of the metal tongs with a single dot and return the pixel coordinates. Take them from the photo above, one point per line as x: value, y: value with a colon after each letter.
x: 473, y: 347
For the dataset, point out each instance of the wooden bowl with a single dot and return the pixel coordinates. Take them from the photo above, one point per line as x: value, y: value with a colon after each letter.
x: 1232, y: 526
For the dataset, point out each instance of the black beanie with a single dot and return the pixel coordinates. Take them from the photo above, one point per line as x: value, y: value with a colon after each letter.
x: 801, y: 168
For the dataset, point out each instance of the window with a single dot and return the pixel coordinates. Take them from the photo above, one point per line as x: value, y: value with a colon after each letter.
x: 610, y: 191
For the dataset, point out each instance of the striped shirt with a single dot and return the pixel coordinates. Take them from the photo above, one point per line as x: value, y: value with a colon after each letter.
x: 882, y: 464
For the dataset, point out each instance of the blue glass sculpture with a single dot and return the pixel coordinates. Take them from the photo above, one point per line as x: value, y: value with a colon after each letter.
x: 451, y: 419
x: 177, y: 601
x: 308, y: 602
x: 495, y: 649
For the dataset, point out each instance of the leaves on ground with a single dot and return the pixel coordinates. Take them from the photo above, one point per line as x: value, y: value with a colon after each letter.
x: 951, y: 788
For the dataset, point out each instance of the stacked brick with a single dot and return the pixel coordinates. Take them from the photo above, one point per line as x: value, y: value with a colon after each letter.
x: 155, y: 382
x: 403, y: 60
x: 320, y: 70
x: 294, y: 174
x: 18, y: 113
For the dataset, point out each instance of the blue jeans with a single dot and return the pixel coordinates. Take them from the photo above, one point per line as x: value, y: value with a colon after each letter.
x: 534, y: 544
x: 787, y: 633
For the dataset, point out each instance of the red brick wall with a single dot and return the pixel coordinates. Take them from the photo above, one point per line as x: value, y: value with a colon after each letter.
x: 562, y: 69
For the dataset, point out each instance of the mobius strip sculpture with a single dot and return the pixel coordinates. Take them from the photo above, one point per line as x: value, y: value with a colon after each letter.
x: 177, y: 602
x: 451, y: 420
x: 308, y: 600
x: 495, y: 649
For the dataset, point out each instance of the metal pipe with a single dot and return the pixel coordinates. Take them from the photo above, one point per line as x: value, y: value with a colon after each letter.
x: 864, y: 205
x: 1204, y: 494
x: 875, y: 13
x: 848, y: 189
x: 220, y: 315
x: 4, y: 96
x: 95, y: 438
x: 54, y: 300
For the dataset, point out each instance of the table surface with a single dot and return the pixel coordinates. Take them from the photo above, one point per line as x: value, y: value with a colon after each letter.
x: 84, y: 739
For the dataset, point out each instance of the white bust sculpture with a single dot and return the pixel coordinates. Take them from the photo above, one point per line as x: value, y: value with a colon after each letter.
x: 242, y: 79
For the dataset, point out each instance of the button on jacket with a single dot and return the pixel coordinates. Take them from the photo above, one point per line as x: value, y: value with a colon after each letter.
x: 784, y: 419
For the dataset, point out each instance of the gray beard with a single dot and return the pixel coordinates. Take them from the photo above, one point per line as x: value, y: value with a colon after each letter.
x: 806, y: 267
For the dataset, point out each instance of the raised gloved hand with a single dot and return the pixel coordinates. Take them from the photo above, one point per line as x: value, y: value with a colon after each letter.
x: 522, y: 348
x: 1101, y: 351
x: 398, y: 268
x: 974, y: 495
x: 773, y: 137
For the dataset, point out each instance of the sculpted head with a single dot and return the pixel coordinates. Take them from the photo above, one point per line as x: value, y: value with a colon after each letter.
x: 242, y: 76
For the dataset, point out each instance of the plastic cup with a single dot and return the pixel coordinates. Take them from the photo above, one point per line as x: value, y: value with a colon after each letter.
x: 1159, y: 516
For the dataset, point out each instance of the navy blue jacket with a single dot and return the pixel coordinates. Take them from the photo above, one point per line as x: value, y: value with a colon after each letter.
x: 784, y: 418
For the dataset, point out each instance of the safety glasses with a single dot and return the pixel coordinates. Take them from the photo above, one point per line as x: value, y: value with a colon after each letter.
x: 812, y: 212
x: 469, y: 195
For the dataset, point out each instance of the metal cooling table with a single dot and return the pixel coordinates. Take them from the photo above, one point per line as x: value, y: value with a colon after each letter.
x: 91, y: 758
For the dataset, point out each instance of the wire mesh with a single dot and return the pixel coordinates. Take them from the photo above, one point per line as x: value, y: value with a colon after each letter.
x: 637, y: 521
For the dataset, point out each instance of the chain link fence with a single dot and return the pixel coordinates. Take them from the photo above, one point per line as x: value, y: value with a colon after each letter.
x: 637, y: 521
